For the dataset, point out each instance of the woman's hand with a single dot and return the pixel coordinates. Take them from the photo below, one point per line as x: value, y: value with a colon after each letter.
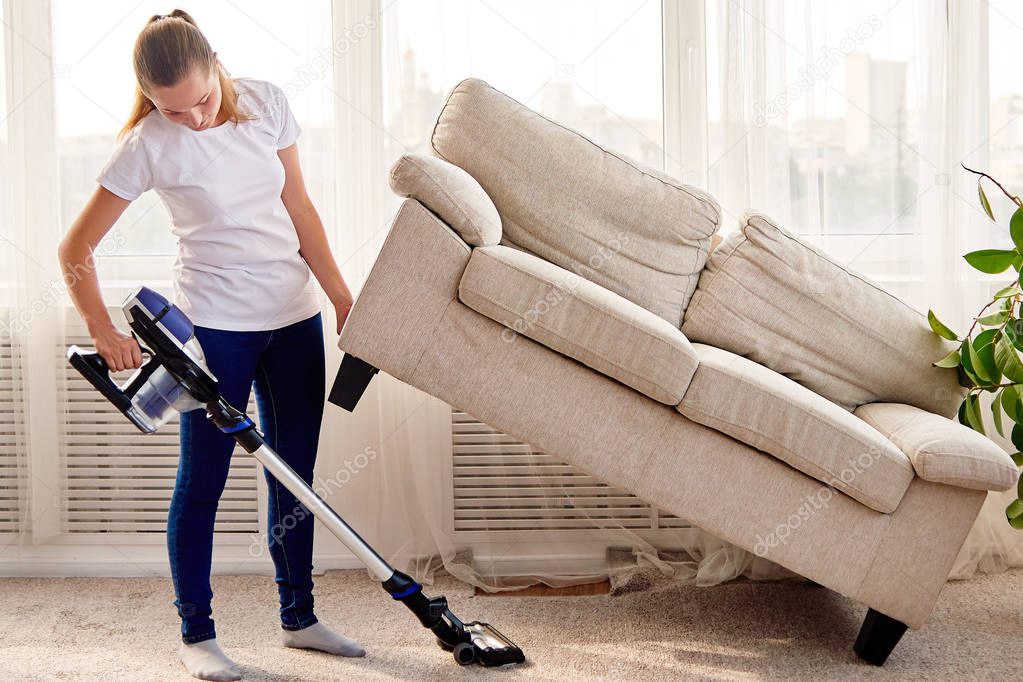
x: 342, y: 307
x: 118, y: 350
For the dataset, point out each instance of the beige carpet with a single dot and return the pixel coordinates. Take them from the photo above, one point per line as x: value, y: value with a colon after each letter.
x: 126, y: 629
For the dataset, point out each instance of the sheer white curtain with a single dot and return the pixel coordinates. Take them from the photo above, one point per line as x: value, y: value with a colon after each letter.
x: 395, y: 446
x: 30, y: 283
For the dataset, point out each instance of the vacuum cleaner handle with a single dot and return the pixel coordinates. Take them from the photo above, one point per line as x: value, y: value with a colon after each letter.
x: 94, y: 368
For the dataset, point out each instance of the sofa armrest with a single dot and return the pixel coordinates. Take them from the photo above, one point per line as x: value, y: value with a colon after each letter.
x: 941, y: 450
x: 770, y: 297
x: 449, y: 192
x: 423, y: 259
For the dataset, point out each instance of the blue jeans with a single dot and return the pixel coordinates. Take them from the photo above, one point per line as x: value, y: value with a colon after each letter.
x: 286, y: 367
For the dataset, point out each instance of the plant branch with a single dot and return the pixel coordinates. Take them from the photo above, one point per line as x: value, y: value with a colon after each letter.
x: 976, y: 318
x: 989, y: 386
x: 1015, y: 199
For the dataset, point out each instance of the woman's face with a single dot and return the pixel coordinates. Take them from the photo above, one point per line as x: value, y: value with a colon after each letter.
x: 193, y: 102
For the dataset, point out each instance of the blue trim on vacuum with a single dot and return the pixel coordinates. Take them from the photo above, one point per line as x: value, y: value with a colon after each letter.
x: 241, y: 426
x: 411, y: 589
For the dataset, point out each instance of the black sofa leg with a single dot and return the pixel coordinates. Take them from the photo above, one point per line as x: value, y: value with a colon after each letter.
x: 878, y: 637
x: 352, y: 379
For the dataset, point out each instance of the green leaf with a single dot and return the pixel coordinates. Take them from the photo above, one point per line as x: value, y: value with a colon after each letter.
x: 972, y: 413
x: 1012, y: 403
x: 991, y: 261
x: 984, y: 203
x: 965, y: 357
x: 1016, y: 227
x: 994, y: 319
x: 1017, y: 458
x: 1017, y: 523
x: 1017, y: 263
x: 940, y: 329
x: 1019, y: 486
x: 1017, y: 436
x: 1008, y: 291
x: 950, y: 360
x: 979, y: 368
x: 1012, y: 330
x: 984, y: 355
x: 996, y: 415
x: 1014, y: 509
x: 1007, y: 359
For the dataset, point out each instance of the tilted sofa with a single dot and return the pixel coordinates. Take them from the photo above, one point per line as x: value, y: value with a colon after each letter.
x: 568, y: 296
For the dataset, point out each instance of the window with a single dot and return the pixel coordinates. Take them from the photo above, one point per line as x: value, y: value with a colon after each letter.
x: 832, y: 99
x: 1006, y: 113
x: 602, y: 78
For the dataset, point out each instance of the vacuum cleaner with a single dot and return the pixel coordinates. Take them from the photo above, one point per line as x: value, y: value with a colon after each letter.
x: 174, y: 377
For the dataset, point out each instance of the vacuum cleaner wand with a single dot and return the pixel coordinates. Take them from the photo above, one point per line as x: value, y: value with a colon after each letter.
x: 175, y: 378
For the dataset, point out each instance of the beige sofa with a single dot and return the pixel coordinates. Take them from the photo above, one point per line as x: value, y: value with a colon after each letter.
x: 566, y: 295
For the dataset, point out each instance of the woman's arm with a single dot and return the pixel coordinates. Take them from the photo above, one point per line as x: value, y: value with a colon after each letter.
x: 312, y: 238
x: 119, y: 350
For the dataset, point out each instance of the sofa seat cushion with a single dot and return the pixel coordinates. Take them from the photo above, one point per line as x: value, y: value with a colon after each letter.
x: 942, y: 450
x: 772, y: 413
x: 771, y: 297
x: 630, y: 228
x: 580, y: 319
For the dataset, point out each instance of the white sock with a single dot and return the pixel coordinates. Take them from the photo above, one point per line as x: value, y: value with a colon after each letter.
x: 320, y: 637
x: 206, y: 661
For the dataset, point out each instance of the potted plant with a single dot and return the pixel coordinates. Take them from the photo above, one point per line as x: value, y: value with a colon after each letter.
x: 988, y: 356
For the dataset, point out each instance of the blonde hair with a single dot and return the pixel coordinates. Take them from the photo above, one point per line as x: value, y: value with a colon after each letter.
x: 169, y: 48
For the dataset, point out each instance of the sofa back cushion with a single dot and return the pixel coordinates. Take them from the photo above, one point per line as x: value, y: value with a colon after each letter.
x: 635, y: 231
x: 770, y: 297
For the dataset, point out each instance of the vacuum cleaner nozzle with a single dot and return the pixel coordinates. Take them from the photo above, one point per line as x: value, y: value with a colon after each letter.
x: 482, y: 643
x: 491, y: 647
x: 470, y: 643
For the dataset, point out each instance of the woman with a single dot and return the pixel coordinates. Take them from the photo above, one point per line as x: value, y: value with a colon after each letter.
x: 221, y: 154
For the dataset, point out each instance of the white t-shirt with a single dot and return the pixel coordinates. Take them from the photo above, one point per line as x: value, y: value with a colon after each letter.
x: 238, y: 265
